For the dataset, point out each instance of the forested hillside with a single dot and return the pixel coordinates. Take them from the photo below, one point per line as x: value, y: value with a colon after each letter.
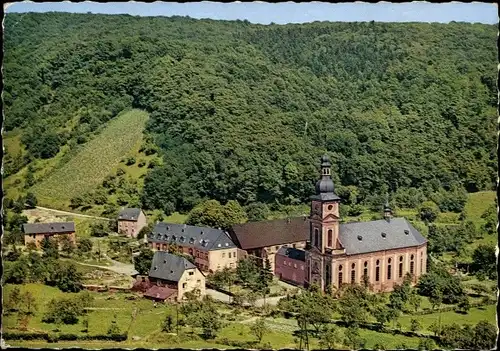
x: 243, y: 112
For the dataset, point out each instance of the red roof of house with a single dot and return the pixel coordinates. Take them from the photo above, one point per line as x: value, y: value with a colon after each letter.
x: 269, y: 233
x: 159, y: 292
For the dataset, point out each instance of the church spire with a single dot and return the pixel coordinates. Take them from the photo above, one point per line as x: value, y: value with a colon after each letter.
x: 325, y: 183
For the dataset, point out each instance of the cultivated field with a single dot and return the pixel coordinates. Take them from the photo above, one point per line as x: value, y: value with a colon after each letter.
x: 91, y: 165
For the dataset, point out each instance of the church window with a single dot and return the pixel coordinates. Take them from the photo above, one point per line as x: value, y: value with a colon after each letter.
x: 377, y: 273
x: 400, y: 273
x: 353, y: 273
x: 412, y: 267
x: 389, y: 269
x: 340, y: 279
x: 316, y: 237
x: 365, y: 271
x: 330, y: 238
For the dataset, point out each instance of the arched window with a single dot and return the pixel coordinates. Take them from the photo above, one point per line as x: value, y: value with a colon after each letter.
x: 340, y: 276
x: 365, y: 271
x: 400, y: 273
x: 389, y: 269
x: 377, y: 271
x: 330, y: 238
x: 316, y: 237
x: 412, y: 265
x: 353, y: 273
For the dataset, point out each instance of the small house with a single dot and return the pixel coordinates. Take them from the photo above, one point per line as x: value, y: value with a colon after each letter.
x: 37, y: 232
x: 290, y: 265
x: 131, y: 221
x: 171, y: 276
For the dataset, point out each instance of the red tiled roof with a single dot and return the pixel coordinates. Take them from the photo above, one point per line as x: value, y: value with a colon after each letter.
x: 159, y: 292
x: 269, y: 233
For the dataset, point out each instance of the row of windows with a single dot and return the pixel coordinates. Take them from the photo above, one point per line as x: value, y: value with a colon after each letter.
x: 294, y: 265
x: 377, y: 269
x: 229, y: 255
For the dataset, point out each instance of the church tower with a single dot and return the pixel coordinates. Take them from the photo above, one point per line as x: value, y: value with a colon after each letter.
x: 324, y: 227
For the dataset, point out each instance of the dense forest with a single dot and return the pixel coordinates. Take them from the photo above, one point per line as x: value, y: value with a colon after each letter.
x: 243, y: 112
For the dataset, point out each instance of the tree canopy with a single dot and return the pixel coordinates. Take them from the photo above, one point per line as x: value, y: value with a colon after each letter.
x: 242, y: 112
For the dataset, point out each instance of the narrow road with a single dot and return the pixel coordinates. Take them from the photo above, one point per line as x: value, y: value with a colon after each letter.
x: 71, y: 213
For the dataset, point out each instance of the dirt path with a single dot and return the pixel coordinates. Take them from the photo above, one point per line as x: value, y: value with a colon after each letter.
x: 70, y: 213
x: 117, y: 267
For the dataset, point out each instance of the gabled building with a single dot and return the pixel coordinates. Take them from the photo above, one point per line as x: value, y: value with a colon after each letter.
x: 263, y: 239
x: 379, y: 252
x: 37, y: 232
x: 212, y: 249
x: 290, y: 265
x: 171, y: 276
x: 131, y: 221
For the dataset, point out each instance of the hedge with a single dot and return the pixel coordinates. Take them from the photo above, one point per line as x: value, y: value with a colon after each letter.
x: 61, y: 337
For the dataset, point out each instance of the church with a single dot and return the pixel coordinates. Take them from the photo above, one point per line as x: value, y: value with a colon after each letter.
x: 379, y: 252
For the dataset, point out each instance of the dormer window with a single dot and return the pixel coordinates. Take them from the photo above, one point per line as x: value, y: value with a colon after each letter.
x: 156, y: 268
x: 384, y: 235
x: 360, y: 237
x: 407, y: 232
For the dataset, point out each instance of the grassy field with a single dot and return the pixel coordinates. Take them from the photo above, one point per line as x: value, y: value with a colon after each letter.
x: 145, y: 329
x: 478, y: 203
x: 98, y: 158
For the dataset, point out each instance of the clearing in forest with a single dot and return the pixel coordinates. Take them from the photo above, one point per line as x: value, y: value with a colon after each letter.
x: 93, y: 163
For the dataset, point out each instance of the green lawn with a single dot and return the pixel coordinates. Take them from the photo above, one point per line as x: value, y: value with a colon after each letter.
x: 474, y: 316
x: 98, y: 158
x: 478, y: 203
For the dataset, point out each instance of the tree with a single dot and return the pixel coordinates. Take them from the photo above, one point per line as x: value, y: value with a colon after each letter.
x: 28, y: 303
x: 353, y: 339
x: 329, y: 337
x: 257, y: 211
x: 66, y: 244
x: 425, y: 344
x: 142, y: 262
x: 259, y: 328
x: 86, y: 325
x: 145, y: 232
x: 99, y: 229
x: 428, y: 211
x: 414, y: 301
x: 463, y: 304
x: 31, y: 200
x: 113, y: 328
x: 67, y: 278
x: 382, y: 315
x: 29, y: 179
x: 212, y: 214
x: 85, y: 245
x: 414, y: 325
x: 50, y: 248
x: 485, y: 335
x: 168, y: 323
x: 484, y: 260
x: 14, y: 299
x: 64, y: 310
